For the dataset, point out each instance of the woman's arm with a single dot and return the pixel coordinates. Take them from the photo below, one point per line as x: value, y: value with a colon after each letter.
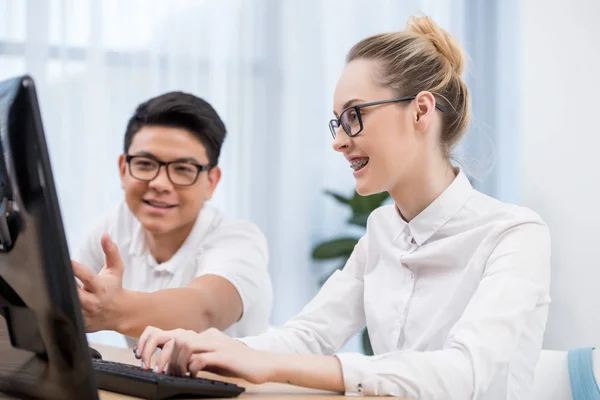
x: 188, y: 351
x: 307, y: 370
x: 478, y: 347
x: 323, y: 326
x: 329, y: 320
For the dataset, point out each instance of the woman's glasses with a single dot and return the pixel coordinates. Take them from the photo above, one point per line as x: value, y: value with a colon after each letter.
x: 351, y: 121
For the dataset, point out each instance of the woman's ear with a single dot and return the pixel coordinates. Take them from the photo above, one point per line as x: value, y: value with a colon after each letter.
x: 425, y: 108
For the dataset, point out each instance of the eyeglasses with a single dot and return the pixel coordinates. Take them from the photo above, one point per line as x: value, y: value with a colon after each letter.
x: 351, y: 119
x: 180, y: 173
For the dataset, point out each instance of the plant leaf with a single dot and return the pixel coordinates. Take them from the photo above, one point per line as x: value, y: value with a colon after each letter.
x: 338, y: 197
x: 359, y: 219
x: 366, y: 204
x: 366, y: 342
x: 334, y: 248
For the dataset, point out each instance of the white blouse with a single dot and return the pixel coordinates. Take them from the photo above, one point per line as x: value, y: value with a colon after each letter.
x: 455, y: 301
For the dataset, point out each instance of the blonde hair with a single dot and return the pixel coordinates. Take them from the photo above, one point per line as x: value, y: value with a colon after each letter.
x: 424, y: 57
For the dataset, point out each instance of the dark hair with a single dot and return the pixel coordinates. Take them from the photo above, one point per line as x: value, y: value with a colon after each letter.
x: 180, y: 110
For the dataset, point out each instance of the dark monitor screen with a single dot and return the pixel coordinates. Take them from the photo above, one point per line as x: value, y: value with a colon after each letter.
x: 47, y: 354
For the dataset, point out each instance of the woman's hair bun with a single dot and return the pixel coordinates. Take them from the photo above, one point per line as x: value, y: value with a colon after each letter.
x: 445, y: 44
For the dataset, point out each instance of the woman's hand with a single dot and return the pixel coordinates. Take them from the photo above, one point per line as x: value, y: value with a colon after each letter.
x: 186, y: 351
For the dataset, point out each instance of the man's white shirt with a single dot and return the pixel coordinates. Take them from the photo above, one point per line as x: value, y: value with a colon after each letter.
x: 234, y: 250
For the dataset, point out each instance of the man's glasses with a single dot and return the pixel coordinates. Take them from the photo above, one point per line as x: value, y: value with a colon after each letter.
x: 180, y: 173
x: 351, y: 120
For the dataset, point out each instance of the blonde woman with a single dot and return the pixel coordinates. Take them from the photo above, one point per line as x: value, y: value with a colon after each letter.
x: 453, y: 285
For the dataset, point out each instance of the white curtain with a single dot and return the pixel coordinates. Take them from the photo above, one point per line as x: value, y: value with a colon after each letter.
x: 268, y: 66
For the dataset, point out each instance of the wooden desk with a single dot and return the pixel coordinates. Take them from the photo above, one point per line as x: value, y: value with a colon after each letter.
x: 270, y: 391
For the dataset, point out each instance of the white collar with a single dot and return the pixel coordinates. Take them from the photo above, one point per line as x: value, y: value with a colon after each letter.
x: 432, y: 218
x: 202, y: 226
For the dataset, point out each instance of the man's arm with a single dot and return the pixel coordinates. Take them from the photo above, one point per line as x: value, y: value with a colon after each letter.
x: 208, y: 301
x: 232, y: 274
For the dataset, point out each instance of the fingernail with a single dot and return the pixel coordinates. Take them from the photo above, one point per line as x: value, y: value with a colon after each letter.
x: 155, y: 369
x: 137, y: 353
x: 143, y: 365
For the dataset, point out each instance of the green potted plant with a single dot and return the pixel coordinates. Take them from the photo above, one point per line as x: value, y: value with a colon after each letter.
x: 340, y: 248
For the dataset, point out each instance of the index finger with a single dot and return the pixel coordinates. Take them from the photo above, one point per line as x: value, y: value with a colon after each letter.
x: 141, y: 343
x: 86, y: 276
x: 150, y: 341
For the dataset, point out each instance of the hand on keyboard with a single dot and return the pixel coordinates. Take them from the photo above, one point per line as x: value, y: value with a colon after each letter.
x: 188, y: 351
x: 134, y: 381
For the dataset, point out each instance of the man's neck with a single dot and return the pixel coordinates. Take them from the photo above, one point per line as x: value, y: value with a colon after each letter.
x: 164, y: 246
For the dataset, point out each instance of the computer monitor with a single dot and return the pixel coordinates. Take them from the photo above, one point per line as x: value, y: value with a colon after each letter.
x: 47, y: 356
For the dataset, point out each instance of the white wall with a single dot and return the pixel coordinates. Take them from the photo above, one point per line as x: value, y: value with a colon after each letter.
x: 560, y: 155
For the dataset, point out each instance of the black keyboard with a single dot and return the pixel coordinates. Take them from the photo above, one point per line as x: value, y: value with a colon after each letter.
x: 135, y: 381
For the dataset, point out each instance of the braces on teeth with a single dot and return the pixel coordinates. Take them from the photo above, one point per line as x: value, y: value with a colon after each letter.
x: 357, y: 164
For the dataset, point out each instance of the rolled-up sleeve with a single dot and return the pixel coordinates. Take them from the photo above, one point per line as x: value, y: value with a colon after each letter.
x: 484, y: 340
x: 239, y: 254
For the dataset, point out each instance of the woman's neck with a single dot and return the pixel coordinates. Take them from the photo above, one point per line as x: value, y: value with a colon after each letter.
x: 425, y: 184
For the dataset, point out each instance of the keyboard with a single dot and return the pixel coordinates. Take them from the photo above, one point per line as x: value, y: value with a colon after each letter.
x: 135, y: 381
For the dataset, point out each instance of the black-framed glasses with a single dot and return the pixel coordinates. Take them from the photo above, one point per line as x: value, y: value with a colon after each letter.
x: 351, y: 120
x: 180, y: 173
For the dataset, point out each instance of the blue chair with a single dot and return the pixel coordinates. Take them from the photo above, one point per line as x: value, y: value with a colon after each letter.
x: 583, y: 380
x: 572, y: 375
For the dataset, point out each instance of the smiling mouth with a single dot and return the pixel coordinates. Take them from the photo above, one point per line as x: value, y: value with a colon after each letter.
x: 359, y: 164
x: 159, y: 205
